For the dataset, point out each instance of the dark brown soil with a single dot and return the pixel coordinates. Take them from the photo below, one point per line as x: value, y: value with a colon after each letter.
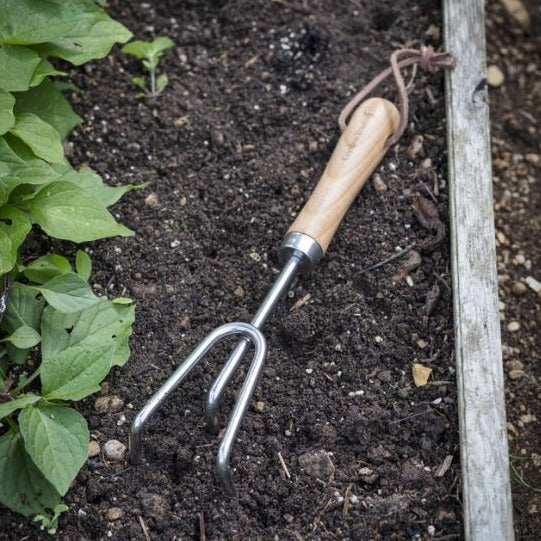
x: 232, y: 149
x: 516, y: 112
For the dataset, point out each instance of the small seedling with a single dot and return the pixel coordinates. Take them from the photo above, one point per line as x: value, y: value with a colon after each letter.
x: 149, y: 52
x: 51, y: 523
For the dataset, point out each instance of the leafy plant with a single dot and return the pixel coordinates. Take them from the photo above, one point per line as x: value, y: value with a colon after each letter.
x: 81, y: 337
x: 53, y: 325
x: 150, y: 53
x: 37, y: 185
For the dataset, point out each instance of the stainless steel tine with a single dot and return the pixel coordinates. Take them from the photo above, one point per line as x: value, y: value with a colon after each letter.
x: 245, y: 329
x: 224, y: 452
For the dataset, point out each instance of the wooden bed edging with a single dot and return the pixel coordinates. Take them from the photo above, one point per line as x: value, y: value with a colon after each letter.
x: 481, y: 404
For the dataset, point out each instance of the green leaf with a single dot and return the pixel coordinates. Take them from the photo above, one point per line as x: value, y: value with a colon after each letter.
x: 23, y: 488
x: 93, y: 184
x: 65, y: 211
x: 46, y: 268
x: 83, y: 265
x: 161, y: 82
x: 56, y: 438
x: 151, y: 64
x: 7, y: 408
x: 92, y: 36
x: 23, y: 338
x: 40, y: 136
x: 48, y: 103
x: 78, y: 350
x: 17, y: 64
x: 16, y: 171
x: 44, y: 69
x: 7, y: 118
x: 122, y: 300
x: 139, y: 82
x: 148, y: 49
x: 14, y: 226
x: 24, y: 309
x: 68, y: 293
x: 27, y: 21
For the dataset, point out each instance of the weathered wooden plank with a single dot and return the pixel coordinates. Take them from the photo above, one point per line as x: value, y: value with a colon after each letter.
x: 483, y: 436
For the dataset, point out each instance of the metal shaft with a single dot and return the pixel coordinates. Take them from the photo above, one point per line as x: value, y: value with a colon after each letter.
x: 280, y: 286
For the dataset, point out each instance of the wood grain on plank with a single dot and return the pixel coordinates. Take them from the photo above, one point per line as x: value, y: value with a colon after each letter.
x: 483, y: 435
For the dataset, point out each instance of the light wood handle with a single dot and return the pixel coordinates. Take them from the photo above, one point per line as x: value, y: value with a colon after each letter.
x: 358, y: 152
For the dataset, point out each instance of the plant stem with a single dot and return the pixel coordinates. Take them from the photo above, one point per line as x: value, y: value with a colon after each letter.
x: 11, y: 423
x: 153, y: 83
x: 20, y: 387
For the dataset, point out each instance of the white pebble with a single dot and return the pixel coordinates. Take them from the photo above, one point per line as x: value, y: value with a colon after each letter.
x: 533, y: 283
x: 114, y: 450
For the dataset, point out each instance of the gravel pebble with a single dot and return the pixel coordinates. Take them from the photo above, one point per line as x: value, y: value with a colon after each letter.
x: 495, y: 76
x: 519, y: 288
x: 516, y: 374
x: 533, y: 284
x: 113, y: 513
x: 114, y: 450
x: 259, y: 406
x: 317, y: 464
x: 152, y: 201
x: 154, y: 505
x: 513, y: 326
x: 93, y: 449
x: 108, y: 404
x: 378, y: 183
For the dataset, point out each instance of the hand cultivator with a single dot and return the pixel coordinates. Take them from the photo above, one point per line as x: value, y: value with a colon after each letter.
x: 358, y: 152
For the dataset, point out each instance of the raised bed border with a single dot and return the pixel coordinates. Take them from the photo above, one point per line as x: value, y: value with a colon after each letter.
x: 486, y: 488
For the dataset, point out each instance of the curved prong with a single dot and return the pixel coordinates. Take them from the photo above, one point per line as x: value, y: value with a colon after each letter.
x: 248, y: 388
x: 215, y: 395
x: 180, y: 374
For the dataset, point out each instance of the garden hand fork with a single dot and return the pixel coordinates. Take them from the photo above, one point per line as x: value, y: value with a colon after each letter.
x: 358, y: 152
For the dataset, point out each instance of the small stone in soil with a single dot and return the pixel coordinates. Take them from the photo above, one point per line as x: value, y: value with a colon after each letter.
x: 217, y: 138
x: 515, y: 364
x: 154, y: 505
x: 513, y: 326
x: 259, y: 406
x: 533, y: 284
x: 113, y: 513
x: 93, y: 449
x: 495, y: 76
x: 317, y: 464
x: 416, y: 146
x: 114, y: 450
x: 239, y: 292
x: 108, y: 404
x: 519, y: 288
x: 378, y: 183
x: 152, y: 201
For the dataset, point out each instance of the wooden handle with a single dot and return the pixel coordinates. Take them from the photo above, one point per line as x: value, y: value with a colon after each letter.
x: 358, y: 152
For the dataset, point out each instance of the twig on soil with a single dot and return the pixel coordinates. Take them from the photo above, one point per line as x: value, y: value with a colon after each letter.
x: 389, y: 259
x: 202, y: 534
x: 284, y: 465
x: 438, y: 277
x: 347, y: 495
x: 396, y: 421
x: 144, y: 527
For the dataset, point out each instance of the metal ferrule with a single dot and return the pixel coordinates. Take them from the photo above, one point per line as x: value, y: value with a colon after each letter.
x: 299, y: 243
